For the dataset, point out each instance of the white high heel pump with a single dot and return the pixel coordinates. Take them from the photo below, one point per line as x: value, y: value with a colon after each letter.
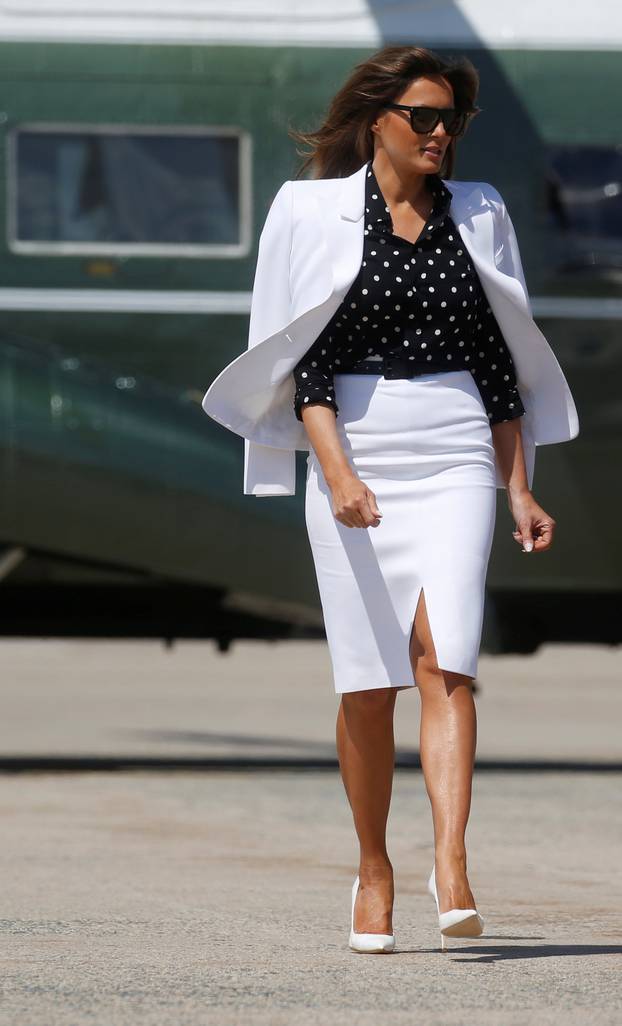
x: 368, y: 942
x: 457, y: 922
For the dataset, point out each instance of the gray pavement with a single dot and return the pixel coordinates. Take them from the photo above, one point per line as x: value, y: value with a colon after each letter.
x: 222, y: 897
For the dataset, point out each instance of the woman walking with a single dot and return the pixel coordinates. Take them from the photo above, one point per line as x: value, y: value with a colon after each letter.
x: 413, y: 414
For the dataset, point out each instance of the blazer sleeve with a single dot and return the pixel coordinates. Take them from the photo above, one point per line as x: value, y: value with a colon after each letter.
x: 267, y: 470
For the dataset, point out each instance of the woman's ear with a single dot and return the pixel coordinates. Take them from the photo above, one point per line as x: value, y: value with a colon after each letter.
x: 375, y: 126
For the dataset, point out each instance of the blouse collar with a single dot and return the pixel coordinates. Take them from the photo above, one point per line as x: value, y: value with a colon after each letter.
x: 377, y: 213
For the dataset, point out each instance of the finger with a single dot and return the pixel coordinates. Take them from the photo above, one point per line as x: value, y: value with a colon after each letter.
x: 519, y: 537
x: 357, y: 519
x: 344, y: 517
x: 524, y: 531
x: 373, y: 505
x: 372, y: 518
x: 545, y: 536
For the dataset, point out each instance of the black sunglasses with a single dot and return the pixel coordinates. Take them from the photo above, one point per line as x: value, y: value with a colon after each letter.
x: 425, y: 119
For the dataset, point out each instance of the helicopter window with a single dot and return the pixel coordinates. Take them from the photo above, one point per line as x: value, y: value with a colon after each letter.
x: 584, y: 203
x: 177, y: 191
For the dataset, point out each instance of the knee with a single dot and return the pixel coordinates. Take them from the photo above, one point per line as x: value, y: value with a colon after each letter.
x: 434, y: 682
x: 372, y: 703
x: 426, y: 669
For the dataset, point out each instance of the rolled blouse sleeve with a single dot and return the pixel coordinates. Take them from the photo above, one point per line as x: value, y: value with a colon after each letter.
x: 313, y: 375
x: 493, y: 367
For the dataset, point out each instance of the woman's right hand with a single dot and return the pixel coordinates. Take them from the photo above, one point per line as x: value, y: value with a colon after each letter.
x: 354, y: 504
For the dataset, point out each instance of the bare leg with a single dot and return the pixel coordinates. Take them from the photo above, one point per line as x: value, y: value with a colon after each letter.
x: 366, y: 750
x: 448, y: 737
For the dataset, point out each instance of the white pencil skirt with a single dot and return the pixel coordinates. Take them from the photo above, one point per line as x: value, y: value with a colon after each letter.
x: 424, y: 446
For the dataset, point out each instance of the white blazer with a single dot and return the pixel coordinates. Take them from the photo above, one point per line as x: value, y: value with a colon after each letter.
x: 310, y: 252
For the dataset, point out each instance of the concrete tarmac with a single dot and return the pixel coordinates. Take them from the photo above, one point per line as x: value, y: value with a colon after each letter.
x: 222, y: 897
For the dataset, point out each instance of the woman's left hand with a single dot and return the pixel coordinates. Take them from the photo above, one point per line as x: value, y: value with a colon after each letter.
x: 534, y: 527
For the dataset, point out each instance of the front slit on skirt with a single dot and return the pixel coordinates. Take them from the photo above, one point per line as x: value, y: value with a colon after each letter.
x: 424, y: 446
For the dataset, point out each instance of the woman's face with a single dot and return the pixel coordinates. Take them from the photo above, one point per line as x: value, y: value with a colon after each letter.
x: 405, y: 148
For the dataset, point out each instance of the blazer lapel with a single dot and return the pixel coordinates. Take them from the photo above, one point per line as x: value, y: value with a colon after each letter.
x: 474, y: 219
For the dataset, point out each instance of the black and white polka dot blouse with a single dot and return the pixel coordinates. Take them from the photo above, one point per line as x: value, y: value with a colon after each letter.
x: 413, y: 308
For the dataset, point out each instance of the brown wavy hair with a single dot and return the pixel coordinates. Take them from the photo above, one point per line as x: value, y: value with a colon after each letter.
x: 344, y: 141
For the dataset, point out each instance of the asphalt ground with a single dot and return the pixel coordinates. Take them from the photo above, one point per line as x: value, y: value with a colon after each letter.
x: 199, y: 872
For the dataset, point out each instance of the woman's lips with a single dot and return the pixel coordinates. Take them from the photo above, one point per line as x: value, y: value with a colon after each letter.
x: 432, y: 153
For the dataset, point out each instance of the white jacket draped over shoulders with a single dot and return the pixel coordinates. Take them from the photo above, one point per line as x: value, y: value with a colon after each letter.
x: 310, y: 252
